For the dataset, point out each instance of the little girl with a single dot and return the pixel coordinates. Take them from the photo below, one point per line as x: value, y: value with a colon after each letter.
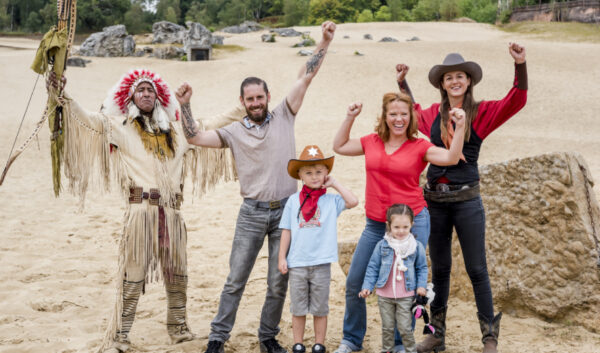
x: 397, y: 267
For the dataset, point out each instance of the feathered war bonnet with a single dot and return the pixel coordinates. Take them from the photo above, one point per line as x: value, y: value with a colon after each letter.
x: 120, y: 98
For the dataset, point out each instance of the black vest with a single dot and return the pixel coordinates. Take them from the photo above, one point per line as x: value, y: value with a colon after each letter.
x: 462, y: 173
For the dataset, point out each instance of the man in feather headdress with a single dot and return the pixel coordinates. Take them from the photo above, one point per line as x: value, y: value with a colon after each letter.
x: 135, y: 136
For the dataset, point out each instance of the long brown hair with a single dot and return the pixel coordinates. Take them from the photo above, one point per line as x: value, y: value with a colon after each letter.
x: 469, y: 106
x: 382, y: 129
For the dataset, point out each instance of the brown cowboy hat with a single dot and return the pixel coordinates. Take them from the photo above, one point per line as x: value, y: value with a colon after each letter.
x: 455, y: 62
x: 311, y: 155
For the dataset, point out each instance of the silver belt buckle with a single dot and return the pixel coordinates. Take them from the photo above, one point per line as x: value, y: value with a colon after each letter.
x: 442, y: 187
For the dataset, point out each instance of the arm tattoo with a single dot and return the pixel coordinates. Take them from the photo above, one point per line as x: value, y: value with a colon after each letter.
x: 189, y: 125
x: 314, y: 62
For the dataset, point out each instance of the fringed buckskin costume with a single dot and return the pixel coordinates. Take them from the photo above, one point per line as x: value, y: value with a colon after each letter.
x: 149, y: 158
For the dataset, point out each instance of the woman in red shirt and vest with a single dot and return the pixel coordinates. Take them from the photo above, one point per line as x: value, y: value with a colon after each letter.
x: 452, y: 193
x: 394, y: 159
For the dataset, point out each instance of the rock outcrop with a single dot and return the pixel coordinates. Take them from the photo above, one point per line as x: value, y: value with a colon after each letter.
x: 244, y: 27
x: 286, y: 32
x: 166, y: 32
x: 542, y: 240
x: 112, y: 41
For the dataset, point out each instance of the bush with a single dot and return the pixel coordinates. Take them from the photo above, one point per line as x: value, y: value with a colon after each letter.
x: 427, y: 10
x: 365, y: 16
x: 478, y: 10
x: 294, y: 11
x: 449, y: 10
x: 338, y: 11
x: 383, y: 14
x: 505, y: 16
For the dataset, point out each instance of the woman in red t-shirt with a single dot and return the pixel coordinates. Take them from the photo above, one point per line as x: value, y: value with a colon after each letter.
x: 394, y: 159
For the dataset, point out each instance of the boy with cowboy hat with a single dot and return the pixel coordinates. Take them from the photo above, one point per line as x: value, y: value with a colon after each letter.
x: 309, y: 232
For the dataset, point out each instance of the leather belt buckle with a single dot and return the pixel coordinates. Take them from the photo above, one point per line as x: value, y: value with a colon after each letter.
x: 442, y: 187
x: 135, y: 195
x: 154, y: 197
x: 274, y: 204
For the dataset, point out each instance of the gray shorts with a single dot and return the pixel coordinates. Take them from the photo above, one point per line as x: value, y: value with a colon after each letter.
x: 309, y: 290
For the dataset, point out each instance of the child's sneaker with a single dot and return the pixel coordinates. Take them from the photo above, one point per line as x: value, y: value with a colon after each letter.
x: 318, y: 348
x: 298, y: 348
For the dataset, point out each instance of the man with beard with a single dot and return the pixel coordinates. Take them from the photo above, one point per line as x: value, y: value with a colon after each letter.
x: 262, y: 144
x: 135, y: 136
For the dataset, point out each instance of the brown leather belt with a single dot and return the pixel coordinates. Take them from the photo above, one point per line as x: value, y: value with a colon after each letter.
x: 451, y: 193
x: 137, y: 195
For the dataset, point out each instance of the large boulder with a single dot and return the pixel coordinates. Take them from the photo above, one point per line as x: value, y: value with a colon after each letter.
x: 112, y: 41
x: 244, y: 27
x: 286, y: 32
x: 542, y: 240
x: 166, y: 32
x: 168, y: 52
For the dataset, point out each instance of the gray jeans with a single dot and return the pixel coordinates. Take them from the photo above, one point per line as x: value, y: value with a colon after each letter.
x: 253, y: 224
x: 396, y: 312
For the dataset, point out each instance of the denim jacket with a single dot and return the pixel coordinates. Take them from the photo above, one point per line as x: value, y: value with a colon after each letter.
x: 380, y: 265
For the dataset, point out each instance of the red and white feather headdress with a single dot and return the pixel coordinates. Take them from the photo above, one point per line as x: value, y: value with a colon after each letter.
x: 119, y: 99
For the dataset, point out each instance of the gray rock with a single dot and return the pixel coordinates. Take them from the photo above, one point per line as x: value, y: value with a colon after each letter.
x: 217, y: 40
x: 268, y: 37
x: 286, y: 32
x: 148, y: 50
x: 77, y: 61
x: 413, y: 39
x: 168, y: 33
x: 388, y: 39
x: 139, y: 53
x: 305, y: 52
x: 368, y: 36
x: 168, y: 52
x: 542, y: 235
x: 305, y: 43
x: 244, y: 27
x: 112, y: 41
x: 346, y: 37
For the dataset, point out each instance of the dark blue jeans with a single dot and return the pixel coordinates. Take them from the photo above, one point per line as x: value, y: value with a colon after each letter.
x: 355, y: 316
x: 468, y: 217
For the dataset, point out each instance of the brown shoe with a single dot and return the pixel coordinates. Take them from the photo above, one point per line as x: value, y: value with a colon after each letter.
x: 434, y: 341
x: 490, y: 330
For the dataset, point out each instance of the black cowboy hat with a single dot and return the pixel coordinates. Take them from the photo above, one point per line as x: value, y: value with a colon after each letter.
x: 455, y: 62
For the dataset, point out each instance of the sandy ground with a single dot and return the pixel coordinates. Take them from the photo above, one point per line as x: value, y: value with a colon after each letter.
x: 57, y: 265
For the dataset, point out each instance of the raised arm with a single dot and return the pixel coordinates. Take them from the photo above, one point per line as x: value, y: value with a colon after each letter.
x: 443, y: 157
x: 342, y: 143
x: 296, y: 95
x: 349, y: 198
x: 192, y: 133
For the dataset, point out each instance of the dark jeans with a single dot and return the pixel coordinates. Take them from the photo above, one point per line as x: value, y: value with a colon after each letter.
x: 468, y: 217
x: 253, y: 225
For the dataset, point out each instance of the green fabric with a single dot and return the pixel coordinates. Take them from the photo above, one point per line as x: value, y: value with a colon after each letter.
x: 53, y: 46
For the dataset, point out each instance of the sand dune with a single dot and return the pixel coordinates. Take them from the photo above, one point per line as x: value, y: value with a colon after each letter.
x: 57, y: 264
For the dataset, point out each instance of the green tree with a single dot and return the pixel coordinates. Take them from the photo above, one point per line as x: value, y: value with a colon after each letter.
x: 338, y: 11
x: 295, y: 12
x: 48, y: 16
x: 198, y: 13
x: 399, y: 11
x: 234, y: 13
x: 365, y: 16
x: 449, y: 9
x: 383, y: 14
x: 134, y: 19
x: 34, y: 22
x: 478, y: 10
x: 163, y: 13
x: 427, y: 10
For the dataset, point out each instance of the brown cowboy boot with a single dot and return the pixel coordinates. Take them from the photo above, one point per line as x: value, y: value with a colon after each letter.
x: 131, y: 296
x: 434, y: 341
x: 490, y: 330
x: 176, y: 301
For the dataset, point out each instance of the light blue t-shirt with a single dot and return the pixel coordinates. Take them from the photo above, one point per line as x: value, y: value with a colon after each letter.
x: 313, y: 242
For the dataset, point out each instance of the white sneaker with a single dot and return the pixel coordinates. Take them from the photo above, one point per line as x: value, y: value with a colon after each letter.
x: 343, y: 348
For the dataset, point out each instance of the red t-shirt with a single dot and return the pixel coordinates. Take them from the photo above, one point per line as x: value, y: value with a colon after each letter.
x: 393, y: 178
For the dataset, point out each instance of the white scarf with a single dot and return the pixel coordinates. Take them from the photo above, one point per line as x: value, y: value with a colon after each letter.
x: 402, y: 249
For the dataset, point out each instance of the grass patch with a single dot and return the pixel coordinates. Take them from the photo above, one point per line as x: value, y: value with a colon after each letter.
x: 556, y: 31
x: 228, y: 47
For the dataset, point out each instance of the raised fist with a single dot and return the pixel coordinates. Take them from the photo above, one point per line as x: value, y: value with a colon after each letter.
x: 184, y: 93
x: 401, y: 71
x: 517, y: 52
x: 354, y: 109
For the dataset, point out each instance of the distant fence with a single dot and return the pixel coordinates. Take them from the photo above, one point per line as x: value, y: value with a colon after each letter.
x: 587, y: 11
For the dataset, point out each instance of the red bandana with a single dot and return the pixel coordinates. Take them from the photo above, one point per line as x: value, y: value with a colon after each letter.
x: 308, y: 201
